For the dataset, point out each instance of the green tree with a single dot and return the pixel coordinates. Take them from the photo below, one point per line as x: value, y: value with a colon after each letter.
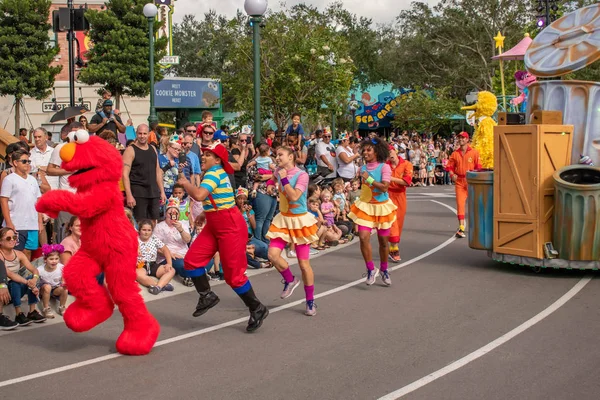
x: 118, y: 59
x: 305, y: 64
x: 426, y: 111
x: 25, y: 51
x: 452, y: 43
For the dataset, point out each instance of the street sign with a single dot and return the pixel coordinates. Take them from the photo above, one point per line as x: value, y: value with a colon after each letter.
x: 169, y: 60
x: 187, y: 93
x: 50, y: 107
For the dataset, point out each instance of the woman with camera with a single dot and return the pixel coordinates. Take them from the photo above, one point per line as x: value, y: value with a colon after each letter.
x: 169, y: 164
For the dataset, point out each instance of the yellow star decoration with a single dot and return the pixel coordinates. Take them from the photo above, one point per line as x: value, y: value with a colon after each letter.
x: 499, y: 40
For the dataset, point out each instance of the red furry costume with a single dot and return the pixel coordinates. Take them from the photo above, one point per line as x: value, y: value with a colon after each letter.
x: 108, y: 244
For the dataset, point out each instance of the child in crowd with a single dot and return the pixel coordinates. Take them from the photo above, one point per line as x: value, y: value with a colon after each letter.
x: 314, y: 208
x: 264, y: 163
x: 328, y: 208
x: 339, y: 198
x: 51, y: 283
x: 296, y: 126
x: 148, y: 268
x: 184, y: 204
x: 430, y: 173
x: 354, y: 191
x: 423, y: 172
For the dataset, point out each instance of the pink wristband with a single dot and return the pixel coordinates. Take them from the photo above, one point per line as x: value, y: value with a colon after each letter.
x: 284, y: 181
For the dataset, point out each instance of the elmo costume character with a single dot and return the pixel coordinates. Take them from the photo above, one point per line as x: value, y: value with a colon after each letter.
x: 108, y: 244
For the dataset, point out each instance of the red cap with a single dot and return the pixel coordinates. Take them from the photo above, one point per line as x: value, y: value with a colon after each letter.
x: 220, y: 151
x: 464, y: 134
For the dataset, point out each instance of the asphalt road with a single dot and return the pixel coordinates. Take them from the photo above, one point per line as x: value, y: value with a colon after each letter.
x: 364, y: 343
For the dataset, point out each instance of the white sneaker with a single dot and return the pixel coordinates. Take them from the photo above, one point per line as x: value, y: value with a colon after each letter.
x: 313, y: 252
x: 47, y: 312
x: 371, y: 276
x: 385, y: 277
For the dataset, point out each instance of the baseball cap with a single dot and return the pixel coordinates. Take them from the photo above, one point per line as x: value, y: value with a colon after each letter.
x: 107, y: 103
x: 220, y: 135
x: 463, y: 134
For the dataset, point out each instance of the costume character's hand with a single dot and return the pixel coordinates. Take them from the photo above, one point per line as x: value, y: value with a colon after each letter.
x: 282, y: 173
x: 52, y: 202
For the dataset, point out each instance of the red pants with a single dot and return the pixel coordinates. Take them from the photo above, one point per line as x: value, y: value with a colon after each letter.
x: 399, y: 199
x: 461, y: 197
x: 225, y: 232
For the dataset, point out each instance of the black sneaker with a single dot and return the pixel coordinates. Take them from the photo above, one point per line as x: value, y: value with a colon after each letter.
x: 256, y: 318
x: 22, y: 320
x: 207, y: 301
x: 36, y: 317
x: 7, y: 324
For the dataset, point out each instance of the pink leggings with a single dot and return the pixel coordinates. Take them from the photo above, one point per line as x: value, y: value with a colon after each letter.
x: 302, y: 250
x: 380, y: 232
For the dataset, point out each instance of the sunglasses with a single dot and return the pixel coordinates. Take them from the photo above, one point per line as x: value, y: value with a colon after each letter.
x: 208, y: 132
x: 24, y: 161
x: 327, y: 136
x: 11, y: 238
x: 190, y: 130
x: 243, y: 141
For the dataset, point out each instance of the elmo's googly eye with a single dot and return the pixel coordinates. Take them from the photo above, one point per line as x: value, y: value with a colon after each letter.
x: 71, y: 136
x: 81, y: 136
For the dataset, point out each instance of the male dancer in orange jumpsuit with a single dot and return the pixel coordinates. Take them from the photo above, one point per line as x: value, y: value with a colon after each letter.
x: 462, y: 160
x: 402, y: 174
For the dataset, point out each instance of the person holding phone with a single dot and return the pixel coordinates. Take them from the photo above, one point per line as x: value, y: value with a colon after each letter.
x: 169, y: 164
x: 106, y: 119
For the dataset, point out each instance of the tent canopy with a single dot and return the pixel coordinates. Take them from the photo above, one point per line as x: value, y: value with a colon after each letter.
x: 517, y: 52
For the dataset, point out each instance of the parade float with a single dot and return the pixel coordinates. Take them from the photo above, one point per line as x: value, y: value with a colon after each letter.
x: 540, y: 207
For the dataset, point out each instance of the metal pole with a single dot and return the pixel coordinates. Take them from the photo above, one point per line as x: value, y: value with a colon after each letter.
x: 547, y: 13
x: 333, y: 125
x: 256, y: 45
x: 153, y: 117
x: 353, y: 121
x: 71, y: 60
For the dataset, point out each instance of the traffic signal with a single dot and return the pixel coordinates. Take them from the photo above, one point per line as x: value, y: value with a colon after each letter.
x: 61, y: 20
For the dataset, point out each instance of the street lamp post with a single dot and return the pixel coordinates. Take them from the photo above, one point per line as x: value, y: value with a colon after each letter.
x: 150, y: 12
x: 256, y: 9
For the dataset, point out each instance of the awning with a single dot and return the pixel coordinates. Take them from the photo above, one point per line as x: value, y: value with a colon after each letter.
x: 517, y: 52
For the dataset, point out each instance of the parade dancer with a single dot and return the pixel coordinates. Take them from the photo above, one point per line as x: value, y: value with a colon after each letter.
x: 225, y: 232
x: 461, y: 161
x: 402, y: 174
x: 374, y: 209
x: 294, y: 224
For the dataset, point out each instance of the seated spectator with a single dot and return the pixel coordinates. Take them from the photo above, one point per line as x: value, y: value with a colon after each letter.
x: 314, y: 207
x: 22, y: 278
x: 148, y: 268
x: 51, y: 283
x: 72, y: 242
x: 175, y: 234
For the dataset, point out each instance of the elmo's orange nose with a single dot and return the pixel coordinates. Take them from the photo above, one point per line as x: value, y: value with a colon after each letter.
x: 67, y: 152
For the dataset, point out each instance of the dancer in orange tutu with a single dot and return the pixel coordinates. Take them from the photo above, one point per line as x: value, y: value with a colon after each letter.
x: 294, y: 224
x: 402, y: 172
x: 374, y: 209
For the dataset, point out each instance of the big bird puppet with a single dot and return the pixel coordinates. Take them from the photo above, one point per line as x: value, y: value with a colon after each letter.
x: 108, y: 244
x: 483, y: 138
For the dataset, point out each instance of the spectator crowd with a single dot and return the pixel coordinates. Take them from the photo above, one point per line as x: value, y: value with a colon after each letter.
x: 34, y: 247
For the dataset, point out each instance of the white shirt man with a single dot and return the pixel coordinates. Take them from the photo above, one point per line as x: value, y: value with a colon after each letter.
x: 40, y: 156
x: 326, y: 156
x: 18, y: 196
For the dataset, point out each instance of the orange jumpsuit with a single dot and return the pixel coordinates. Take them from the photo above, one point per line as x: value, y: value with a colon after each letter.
x: 404, y: 171
x: 459, y: 164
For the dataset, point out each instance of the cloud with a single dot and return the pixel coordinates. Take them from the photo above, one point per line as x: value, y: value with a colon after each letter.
x: 380, y: 11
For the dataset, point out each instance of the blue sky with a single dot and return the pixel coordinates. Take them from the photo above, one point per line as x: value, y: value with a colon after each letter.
x: 381, y: 11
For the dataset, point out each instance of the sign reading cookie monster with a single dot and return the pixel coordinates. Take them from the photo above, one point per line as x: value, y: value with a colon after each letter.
x: 374, y: 107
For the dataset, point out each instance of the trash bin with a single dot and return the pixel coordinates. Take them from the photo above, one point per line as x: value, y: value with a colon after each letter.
x: 480, y: 209
x: 577, y: 213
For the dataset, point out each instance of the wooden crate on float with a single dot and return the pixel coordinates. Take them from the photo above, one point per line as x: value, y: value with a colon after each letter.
x: 525, y: 157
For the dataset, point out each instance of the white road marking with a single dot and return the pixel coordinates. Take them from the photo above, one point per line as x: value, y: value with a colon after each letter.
x: 213, y: 328
x: 490, y: 346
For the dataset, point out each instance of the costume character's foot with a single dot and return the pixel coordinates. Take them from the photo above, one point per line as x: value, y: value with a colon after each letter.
x: 81, y: 318
x: 206, y: 301
x: 139, y: 335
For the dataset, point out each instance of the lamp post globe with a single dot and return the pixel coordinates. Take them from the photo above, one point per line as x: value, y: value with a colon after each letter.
x: 255, y: 8
x: 150, y: 12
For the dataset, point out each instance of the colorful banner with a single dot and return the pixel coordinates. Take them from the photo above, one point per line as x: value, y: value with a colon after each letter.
x: 374, y: 111
x: 84, y: 43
